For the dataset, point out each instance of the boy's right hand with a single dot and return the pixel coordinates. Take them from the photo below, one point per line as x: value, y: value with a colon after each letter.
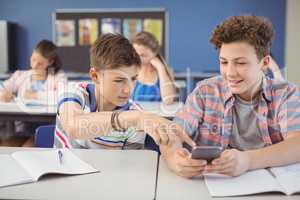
x: 181, y: 163
x: 162, y: 130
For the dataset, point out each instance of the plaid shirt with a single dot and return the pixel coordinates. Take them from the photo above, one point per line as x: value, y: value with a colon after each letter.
x: 208, y: 112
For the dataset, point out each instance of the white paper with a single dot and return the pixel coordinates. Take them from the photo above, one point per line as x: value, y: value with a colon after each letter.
x: 38, y: 163
x: 252, y: 182
x: 288, y: 177
x: 11, y: 172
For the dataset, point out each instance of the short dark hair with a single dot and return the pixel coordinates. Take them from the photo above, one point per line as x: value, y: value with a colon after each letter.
x: 255, y: 30
x: 111, y: 51
x: 48, y: 50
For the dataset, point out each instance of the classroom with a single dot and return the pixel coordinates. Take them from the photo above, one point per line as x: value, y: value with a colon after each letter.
x: 143, y: 99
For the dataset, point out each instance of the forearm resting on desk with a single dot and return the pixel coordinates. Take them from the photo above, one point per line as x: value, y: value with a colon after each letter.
x: 283, y: 153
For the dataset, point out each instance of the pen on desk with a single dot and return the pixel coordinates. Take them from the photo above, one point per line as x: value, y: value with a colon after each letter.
x: 270, y: 171
x: 60, y: 156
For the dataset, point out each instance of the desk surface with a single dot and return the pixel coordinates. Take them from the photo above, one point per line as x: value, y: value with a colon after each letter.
x: 171, y: 186
x: 13, y: 111
x: 124, y: 175
x: 17, y: 108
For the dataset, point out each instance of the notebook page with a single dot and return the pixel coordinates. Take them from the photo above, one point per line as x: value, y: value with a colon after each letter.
x: 288, y: 177
x: 11, y: 172
x: 38, y: 163
x: 251, y: 182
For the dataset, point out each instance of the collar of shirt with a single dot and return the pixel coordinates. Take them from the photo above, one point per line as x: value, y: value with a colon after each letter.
x: 266, y: 91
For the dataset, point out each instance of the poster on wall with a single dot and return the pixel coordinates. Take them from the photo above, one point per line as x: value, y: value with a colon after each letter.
x: 65, y: 32
x: 110, y: 25
x: 131, y: 27
x: 154, y: 26
x: 88, y: 31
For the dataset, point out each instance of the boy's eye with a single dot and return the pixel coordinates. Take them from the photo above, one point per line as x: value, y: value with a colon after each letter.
x: 118, y: 80
x: 241, y: 63
x: 224, y: 62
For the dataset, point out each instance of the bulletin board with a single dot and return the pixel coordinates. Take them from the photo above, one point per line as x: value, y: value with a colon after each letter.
x: 75, y: 30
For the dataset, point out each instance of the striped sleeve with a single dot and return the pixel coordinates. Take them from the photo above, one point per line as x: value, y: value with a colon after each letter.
x: 289, y: 111
x: 71, y: 93
x: 191, y: 113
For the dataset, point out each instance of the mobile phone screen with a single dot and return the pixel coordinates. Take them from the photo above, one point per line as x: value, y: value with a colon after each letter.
x: 206, y: 152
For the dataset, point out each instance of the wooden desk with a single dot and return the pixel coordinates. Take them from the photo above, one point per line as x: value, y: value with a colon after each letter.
x: 124, y: 175
x: 171, y: 186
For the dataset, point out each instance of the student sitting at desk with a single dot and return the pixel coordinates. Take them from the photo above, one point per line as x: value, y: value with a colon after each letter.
x: 155, y: 81
x: 38, y: 83
x: 97, y: 115
x: 254, y: 118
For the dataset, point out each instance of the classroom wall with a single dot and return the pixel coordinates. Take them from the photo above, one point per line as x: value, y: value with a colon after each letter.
x: 293, y: 41
x: 190, y: 25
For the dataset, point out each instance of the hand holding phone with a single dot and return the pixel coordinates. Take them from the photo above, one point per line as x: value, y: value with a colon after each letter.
x: 208, y: 153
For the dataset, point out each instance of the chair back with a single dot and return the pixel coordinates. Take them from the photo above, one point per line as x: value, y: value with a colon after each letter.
x: 44, y: 136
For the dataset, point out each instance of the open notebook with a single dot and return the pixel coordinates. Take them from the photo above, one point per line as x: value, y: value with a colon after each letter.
x: 284, y: 179
x: 28, y: 166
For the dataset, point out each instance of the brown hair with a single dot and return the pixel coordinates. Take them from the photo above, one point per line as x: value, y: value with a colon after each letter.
x: 48, y: 50
x: 111, y: 51
x: 148, y: 40
x: 255, y: 30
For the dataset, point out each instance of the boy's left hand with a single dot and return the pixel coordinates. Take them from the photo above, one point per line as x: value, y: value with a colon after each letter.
x: 232, y: 162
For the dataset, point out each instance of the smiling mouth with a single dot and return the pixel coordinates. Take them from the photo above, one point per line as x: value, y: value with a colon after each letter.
x: 234, y: 82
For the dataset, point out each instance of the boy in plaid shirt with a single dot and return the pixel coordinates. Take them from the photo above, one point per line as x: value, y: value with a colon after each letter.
x: 255, y: 119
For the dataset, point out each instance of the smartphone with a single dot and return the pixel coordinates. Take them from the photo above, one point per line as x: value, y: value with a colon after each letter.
x: 206, y: 152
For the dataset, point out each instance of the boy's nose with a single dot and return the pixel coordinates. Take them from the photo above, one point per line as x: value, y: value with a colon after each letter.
x: 127, y: 88
x: 231, y: 70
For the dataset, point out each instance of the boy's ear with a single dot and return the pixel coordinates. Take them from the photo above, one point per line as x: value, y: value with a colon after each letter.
x: 51, y: 62
x: 265, y: 62
x: 93, y: 74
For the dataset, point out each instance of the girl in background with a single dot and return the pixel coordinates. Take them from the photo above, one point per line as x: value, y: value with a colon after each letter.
x: 38, y: 83
x: 155, y: 80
